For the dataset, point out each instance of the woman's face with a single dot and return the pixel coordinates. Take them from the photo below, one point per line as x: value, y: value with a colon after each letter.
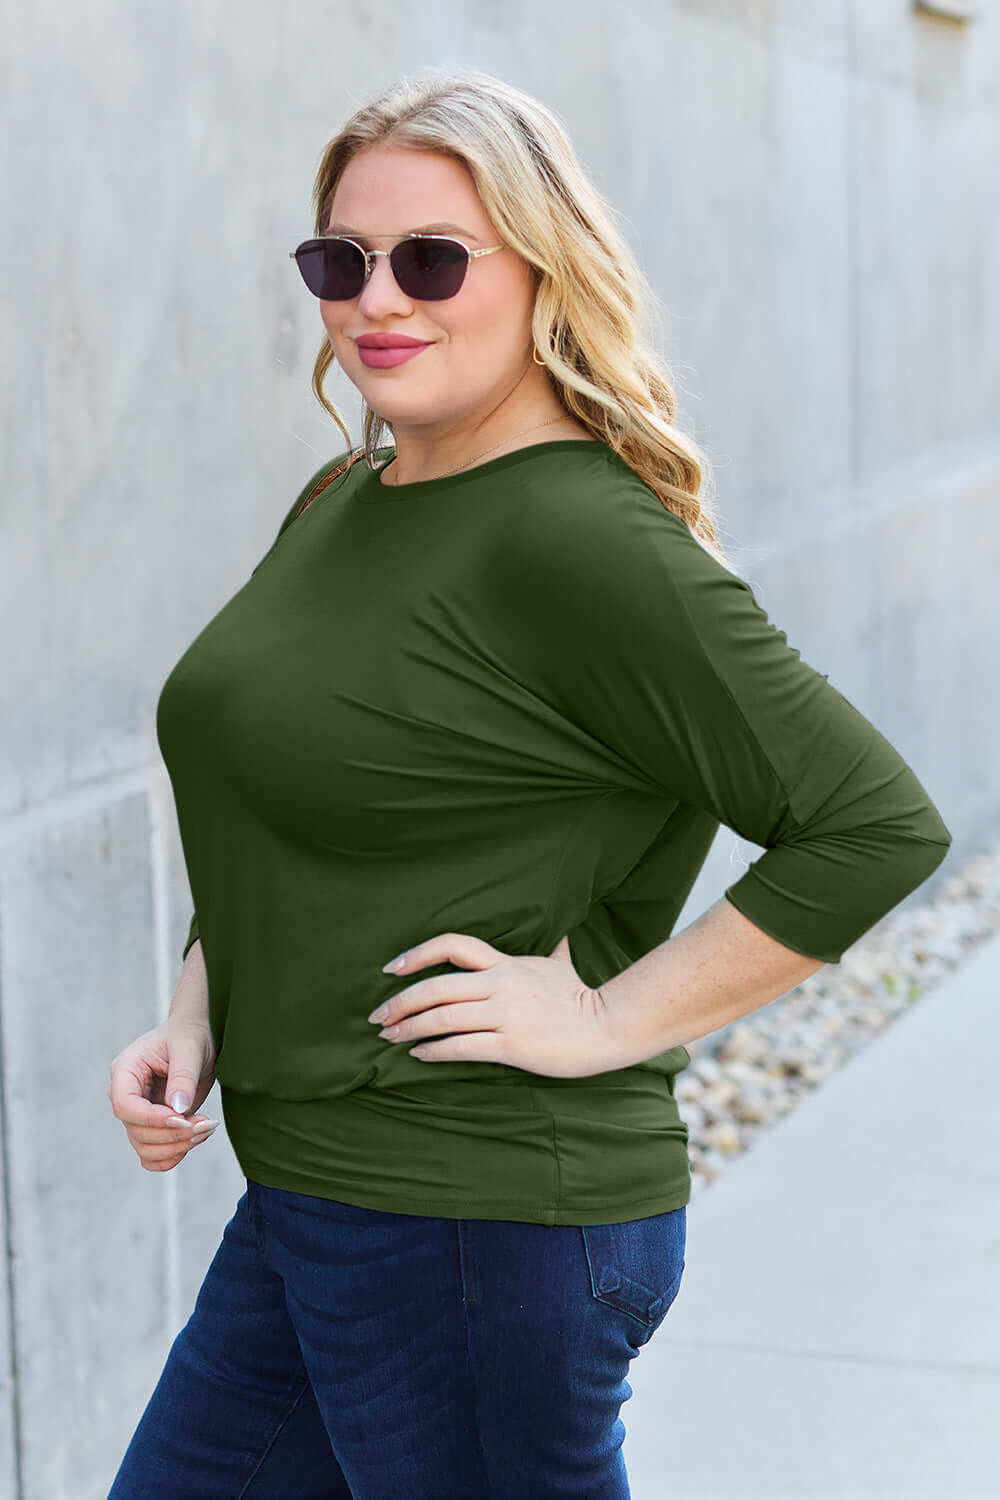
x: 479, y: 340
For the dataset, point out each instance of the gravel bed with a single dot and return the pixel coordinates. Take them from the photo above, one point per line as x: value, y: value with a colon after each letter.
x: 748, y: 1075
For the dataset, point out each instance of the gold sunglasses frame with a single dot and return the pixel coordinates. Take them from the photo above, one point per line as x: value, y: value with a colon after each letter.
x: 369, y: 256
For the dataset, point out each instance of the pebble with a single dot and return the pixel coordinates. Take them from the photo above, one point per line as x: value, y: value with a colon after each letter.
x: 746, y: 1077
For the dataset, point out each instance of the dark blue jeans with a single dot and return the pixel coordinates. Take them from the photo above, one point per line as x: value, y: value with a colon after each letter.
x: 361, y: 1355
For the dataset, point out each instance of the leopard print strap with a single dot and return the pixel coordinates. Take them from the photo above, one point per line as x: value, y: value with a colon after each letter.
x: 327, y: 479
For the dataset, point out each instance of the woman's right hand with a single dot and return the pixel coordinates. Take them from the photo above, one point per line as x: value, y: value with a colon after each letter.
x: 177, y: 1054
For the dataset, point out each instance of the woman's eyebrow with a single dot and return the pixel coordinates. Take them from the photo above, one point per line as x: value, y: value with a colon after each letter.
x: 442, y: 228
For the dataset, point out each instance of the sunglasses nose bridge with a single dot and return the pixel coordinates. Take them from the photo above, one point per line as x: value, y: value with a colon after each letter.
x: 370, y: 263
x: 368, y: 259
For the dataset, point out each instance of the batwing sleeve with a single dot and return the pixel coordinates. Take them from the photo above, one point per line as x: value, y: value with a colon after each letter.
x: 666, y: 657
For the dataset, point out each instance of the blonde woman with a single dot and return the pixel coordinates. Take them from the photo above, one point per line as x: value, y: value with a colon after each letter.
x: 483, y: 705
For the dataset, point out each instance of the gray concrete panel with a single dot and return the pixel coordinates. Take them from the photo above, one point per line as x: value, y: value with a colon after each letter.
x: 86, y: 1232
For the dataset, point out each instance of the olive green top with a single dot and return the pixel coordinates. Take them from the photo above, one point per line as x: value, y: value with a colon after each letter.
x: 516, y: 702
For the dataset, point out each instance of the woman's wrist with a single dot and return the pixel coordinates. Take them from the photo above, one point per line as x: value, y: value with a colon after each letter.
x: 190, y: 998
x: 720, y: 968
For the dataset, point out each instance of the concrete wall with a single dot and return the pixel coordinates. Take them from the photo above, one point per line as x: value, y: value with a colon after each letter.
x: 808, y: 188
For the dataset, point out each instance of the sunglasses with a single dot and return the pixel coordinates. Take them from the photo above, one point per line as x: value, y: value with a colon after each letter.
x: 427, y: 267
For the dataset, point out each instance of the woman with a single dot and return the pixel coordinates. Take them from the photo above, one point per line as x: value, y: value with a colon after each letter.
x: 484, y: 703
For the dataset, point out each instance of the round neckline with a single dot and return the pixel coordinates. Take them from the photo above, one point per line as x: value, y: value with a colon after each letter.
x: 373, y: 491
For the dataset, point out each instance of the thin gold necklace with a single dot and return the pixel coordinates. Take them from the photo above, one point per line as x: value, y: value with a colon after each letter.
x: 476, y: 456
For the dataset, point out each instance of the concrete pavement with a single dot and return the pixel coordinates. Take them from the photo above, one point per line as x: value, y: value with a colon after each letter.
x: 837, y: 1332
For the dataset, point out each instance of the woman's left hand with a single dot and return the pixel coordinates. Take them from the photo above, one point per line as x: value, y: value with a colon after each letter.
x: 527, y: 1011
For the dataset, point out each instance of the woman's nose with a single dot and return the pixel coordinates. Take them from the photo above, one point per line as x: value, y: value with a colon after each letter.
x: 382, y: 293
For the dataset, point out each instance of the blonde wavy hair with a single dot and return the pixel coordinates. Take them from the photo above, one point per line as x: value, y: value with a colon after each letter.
x: 592, y: 304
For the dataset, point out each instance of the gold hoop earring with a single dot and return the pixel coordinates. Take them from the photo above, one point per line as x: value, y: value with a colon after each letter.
x: 534, y: 355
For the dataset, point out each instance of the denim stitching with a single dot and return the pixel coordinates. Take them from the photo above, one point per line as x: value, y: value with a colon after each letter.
x: 273, y: 1438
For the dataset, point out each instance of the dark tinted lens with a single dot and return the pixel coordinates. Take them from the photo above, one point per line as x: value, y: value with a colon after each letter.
x: 331, y: 269
x: 429, y: 269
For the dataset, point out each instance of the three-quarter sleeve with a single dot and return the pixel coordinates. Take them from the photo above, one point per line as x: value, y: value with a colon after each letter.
x: 666, y: 658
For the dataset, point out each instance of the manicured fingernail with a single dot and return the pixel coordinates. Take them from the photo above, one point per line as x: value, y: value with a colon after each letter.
x: 180, y: 1102
x: 173, y: 1121
x: 205, y: 1127
x: 397, y: 962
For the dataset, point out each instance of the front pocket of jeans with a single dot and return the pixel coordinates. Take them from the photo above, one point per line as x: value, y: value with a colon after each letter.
x: 637, y: 1266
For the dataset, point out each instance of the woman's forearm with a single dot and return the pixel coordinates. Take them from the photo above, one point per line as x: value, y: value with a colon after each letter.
x: 718, y: 969
x: 190, y: 1000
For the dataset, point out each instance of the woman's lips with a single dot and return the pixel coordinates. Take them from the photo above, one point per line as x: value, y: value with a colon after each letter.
x: 384, y: 359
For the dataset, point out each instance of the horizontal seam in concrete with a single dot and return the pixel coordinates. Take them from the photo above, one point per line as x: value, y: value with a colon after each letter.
x: 78, y: 802
x: 935, y: 479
